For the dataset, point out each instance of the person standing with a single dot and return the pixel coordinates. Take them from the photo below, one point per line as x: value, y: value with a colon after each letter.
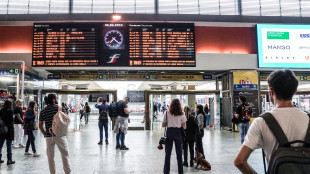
x: 155, y: 110
x: 86, y: 112
x: 46, y: 117
x: 206, y: 110
x: 200, y: 134
x: 243, y: 113
x: 175, y: 120
x: 18, y: 128
x: 103, y: 122
x: 81, y: 111
x: 6, y: 114
x: 121, y: 123
x: 190, y: 136
x: 158, y: 107
x: 30, y: 117
x: 164, y: 107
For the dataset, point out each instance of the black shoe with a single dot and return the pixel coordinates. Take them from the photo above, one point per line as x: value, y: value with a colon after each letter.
x: 106, y: 142
x: 117, y: 147
x: 124, y: 148
x: 100, y: 143
x: 185, y: 164
x: 10, y: 161
x: 191, y: 164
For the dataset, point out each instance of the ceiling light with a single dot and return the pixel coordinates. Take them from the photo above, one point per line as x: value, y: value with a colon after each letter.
x: 116, y: 17
x: 202, y: 72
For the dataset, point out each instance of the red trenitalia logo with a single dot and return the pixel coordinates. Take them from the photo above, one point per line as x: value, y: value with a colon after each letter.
x: 113, y: 58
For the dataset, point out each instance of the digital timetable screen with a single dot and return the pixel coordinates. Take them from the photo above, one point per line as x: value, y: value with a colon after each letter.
x: 113, y: 44
x: 283, y: 46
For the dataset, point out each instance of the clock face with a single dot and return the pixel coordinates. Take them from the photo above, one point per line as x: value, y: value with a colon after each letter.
x: 113, y: 39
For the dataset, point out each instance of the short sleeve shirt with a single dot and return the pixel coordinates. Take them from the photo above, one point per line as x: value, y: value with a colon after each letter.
x: 47, y: 115
x: 174, y: 121
x: 18, y: 110
x: 293, y: 122
x: 120, y: 108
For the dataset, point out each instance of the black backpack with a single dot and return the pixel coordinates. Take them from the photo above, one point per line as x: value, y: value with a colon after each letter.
x: 3, y: 127
x: 113, y: 110
x: 103, y: 114
x: 287, y: 159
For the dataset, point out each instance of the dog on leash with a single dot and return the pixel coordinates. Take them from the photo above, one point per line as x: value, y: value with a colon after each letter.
x: 204, y: 164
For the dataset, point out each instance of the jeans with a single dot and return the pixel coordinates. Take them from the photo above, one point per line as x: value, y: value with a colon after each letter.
x: 173, y: 135
x: 103, y: 124
x: 189, y: 144
x: 8, y: 146
x: 86, y: 117
x: 208, y: 119
x: 199, y: 143
x: 30, y: 141
x: 62, y: 144
x: 243, y: 130
x: 121, y: 136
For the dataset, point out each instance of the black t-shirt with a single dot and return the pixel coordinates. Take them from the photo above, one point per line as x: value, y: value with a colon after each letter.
x: 47, y: 115
x: 18, y: 110
x: 120, y: 108
x: 243, y: 110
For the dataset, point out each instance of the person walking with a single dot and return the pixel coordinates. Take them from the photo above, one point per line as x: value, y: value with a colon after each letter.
x: 103, y: 121
x: 86, y: 112
x: 46, y: 117
x: 206, y: 110
x: 18, y: 121
x: 243, y: 113
x: 155, y: 111
x: 6, y: 114
x: 175, y: 120
x: 190, y: 136
x: 200, y: 119
x: 164, y: 107
x: 30, y: 126
x: 121, y: 123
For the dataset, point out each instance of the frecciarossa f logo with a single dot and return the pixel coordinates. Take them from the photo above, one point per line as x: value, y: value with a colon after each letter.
x: 113, y: 58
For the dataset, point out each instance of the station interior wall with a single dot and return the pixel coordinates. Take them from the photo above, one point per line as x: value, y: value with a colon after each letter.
x: 217, y: 48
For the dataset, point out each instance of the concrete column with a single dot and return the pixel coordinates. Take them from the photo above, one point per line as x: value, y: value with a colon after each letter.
x: 191, y: 98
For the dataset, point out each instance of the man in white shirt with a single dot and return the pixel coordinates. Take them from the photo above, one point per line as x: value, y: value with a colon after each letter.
x: 294, y: 122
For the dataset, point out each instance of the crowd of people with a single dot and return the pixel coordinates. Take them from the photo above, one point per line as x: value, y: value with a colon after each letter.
x: 185, y: 127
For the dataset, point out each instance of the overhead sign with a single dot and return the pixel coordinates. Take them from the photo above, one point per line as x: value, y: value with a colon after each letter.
x: 14, y: 71
x: 113, y: 44
x: 245, y: 87
x: 80, y: 77
x: 283, y: 46
x: 7, y: 72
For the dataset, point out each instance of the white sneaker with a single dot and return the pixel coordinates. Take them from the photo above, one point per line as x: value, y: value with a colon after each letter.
x: 28, y: 153
x: 36, y: 155
x: 15, y: 147
x: 21, y: 146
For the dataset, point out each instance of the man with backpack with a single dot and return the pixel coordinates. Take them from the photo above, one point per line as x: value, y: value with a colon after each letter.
x: 272, y: 131
x: 103, y: 120
x: 243, y: 113
x: 121, y: 123
x: 46, y: 117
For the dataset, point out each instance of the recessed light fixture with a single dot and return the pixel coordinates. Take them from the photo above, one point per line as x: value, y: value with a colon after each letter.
x: 202, y: 72
x: 163, y: 72
x: 116, y: 17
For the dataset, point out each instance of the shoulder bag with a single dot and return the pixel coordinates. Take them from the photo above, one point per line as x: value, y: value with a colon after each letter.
x: 163, y: 140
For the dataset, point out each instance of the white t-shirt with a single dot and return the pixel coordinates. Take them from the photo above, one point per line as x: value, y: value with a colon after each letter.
x: 174, y: 121
x: 293, y: 122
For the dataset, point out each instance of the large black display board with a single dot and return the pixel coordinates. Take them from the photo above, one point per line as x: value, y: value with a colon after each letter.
x: 251, y: 99
x: 113, y: 44
x: 136, y: 96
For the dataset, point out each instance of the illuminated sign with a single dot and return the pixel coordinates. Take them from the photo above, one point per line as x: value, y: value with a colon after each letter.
x: 113, y: 44
x: 283, y: 46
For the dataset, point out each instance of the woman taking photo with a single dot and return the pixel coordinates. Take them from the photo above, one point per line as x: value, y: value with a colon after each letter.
x: 200, y: 119
x: 174, y: 119
x: 6, y: 114
x: 190, y: 136
x: 29, y: 126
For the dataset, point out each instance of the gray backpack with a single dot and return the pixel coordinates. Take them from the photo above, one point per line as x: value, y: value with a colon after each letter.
x: 287, y: 159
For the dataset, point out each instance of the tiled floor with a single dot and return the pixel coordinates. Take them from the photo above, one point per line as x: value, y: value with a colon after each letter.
x: 143, y: 156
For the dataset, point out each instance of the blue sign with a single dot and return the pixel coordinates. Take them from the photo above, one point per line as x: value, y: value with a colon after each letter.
x: 245, y: 87
x: 6, y: 72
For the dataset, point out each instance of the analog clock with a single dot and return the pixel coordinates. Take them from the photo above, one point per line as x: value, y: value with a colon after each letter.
x: 113, y: 39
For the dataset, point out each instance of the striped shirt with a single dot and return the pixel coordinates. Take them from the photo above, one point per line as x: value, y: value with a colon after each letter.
x: 47, y: 115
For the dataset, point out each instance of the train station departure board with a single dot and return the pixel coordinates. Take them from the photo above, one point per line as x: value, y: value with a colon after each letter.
x: 113, y: 44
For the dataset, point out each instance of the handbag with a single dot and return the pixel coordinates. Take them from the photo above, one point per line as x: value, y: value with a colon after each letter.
x: 30, y: 125
x: 163, y: 140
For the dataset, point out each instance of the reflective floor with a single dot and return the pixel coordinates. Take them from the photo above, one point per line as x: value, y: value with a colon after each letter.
x: 143, y: 156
